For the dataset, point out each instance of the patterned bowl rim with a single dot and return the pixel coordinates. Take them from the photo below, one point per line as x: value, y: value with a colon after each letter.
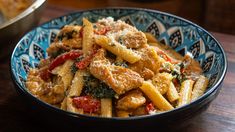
x: 167, y: 113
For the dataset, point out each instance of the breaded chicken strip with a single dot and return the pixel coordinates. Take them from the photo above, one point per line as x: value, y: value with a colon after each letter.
x: 120, y: 79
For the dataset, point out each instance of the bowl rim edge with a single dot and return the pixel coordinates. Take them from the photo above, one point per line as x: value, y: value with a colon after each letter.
x: 200, y: 99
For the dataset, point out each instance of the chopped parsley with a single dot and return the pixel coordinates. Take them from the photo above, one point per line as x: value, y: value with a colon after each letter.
x: 167, y: 66
x: 177, y: 74
x: 80, y: 58
x: 74, y: 68
x: 67, y: 35
x: 94, y: 26
x: 123, y: 64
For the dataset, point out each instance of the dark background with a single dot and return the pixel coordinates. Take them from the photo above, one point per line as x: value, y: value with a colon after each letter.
x: 213, y: 15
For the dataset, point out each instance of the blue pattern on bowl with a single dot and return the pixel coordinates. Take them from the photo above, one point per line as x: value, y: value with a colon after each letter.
x: 180, y: 34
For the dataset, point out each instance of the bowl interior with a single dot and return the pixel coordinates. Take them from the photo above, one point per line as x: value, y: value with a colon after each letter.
x: 180, y: 34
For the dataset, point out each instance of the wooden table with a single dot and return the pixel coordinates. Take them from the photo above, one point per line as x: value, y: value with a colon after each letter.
x: 15, y: 116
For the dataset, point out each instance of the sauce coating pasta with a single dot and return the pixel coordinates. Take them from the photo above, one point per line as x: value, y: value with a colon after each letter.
x: 111, y: 69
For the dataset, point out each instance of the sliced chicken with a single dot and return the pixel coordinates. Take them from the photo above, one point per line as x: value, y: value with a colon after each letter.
x: 49, y: 92
x: 115, y: 26
x: 140, y: 111
x: 162, y: 81
x: 123, y: 33
x: 134, y: 39
x: 146, y: 73
x: 120, y: 79
x: 131, y: 101
x: 149, y: 61
x: 68, y: 38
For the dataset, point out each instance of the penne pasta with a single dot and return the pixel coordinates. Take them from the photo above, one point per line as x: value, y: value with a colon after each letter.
x: 66, y: 74
x: 77, y: 84
x: 185, y: 92
x: 117, y: 49
x: 172, y: 94
x: 88, y: 36
x: 106, y: 107
x: 155, y: 96
x: 199, y: 87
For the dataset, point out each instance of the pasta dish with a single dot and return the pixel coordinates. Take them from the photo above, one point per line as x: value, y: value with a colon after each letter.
x: 111, y: 69
x: 11, y: 8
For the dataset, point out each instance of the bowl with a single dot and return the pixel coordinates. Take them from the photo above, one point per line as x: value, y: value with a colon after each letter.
x: 12, y: 29
x: 182, y: 35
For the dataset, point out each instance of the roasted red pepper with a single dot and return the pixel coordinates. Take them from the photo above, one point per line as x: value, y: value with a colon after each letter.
x: 102, y: 31
x: 87, y: 103
x: 150, y: 107
x: 85, y: 61
x: 62, y: 58
x: 45, y: 74
x: 164, y: 56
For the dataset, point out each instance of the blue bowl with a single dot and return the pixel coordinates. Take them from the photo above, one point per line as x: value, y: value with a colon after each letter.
x: 182, y: 35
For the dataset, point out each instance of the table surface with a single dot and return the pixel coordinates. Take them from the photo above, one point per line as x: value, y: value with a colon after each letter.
x: 220, y: 116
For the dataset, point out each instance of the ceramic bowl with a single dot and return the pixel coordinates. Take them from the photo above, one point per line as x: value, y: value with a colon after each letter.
x: 182, y: 35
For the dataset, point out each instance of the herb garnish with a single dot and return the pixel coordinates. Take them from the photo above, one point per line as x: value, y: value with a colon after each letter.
x: 123, y: 64
x: 96, y: 88
x: 177, y: 74
x: 74, y: 68
x: 67, y: 35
